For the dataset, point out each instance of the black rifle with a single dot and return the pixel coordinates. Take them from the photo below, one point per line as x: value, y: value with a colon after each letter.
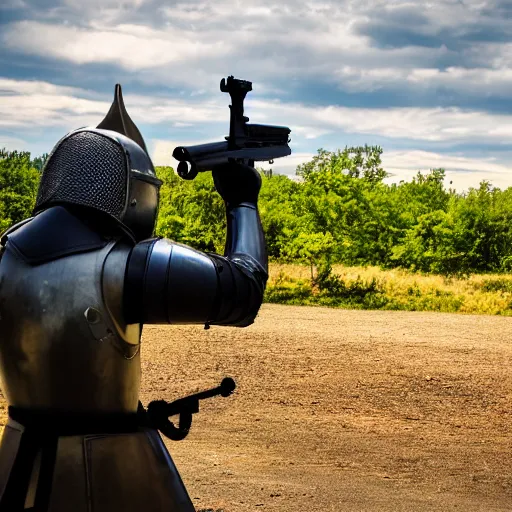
x: 246, y: 143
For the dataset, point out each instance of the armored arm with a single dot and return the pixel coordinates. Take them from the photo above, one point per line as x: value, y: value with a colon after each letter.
x: 167, y: 282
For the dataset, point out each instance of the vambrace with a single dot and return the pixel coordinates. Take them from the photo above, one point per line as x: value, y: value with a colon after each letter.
x: 167, y: 282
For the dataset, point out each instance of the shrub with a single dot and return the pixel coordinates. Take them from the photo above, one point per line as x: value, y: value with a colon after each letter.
x: 286, y: 290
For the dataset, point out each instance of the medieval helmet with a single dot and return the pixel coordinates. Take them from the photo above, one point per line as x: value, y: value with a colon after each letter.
x: 106, y: 169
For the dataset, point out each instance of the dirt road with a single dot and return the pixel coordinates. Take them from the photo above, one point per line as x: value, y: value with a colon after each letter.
x: 343, y: 410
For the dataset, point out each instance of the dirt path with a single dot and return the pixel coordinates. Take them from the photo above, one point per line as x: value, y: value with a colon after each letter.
x: 343, y: 410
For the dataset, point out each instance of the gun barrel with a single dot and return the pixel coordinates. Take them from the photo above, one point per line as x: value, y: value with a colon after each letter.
x: 206, y: 157
x: 246, y: 142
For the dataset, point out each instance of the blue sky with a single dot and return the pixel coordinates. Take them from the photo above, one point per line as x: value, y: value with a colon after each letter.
x: 430, y: 82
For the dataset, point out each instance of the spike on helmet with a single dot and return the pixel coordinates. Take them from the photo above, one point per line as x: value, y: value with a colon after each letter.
x: 107, y: 169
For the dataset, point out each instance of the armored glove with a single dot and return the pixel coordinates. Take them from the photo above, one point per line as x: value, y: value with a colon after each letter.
x: 237, y: 183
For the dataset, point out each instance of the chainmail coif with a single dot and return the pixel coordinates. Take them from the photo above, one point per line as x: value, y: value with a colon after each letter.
x: 86, y: 169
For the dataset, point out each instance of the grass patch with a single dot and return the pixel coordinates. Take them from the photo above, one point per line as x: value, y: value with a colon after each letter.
x: 373, y: 288
x: 285, y: 289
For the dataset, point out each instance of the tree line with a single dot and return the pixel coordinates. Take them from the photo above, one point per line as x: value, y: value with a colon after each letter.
x: 340, y: 211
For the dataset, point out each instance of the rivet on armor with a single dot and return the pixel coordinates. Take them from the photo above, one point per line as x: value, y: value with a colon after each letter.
x: 93, y: 316
x: 133, y: 202
x: 97, y: 325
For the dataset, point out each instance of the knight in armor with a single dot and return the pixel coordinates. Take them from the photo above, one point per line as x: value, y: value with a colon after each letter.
x: 77, y: 282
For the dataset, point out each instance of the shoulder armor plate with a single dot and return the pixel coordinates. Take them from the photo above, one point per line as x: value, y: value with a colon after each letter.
x: 52, y: 234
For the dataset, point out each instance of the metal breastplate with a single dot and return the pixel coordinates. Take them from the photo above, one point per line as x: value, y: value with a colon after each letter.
x: 63, y: 344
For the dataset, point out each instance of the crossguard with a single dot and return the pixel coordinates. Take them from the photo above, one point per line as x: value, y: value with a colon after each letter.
x: 159, y: 411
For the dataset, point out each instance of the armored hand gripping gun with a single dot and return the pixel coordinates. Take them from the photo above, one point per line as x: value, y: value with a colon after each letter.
x: 246, y: 143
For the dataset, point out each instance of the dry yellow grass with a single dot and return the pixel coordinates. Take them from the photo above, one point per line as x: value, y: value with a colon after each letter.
x: 471, y: 293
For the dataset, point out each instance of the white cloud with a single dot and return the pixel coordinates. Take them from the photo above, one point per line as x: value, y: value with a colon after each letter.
x: 12, y: 4
x: 49, y: 110
x: 310, y: 132
x: 426, y: 124
x: 267, y: 42
x: 28, y: 87
x: 130, y: 46
x: 94, y: 5
x: 290, y: 38
x: 476, y: 81
x: 26, y: 104
x: 33, y: 103
x: 461, y: 171
x: 13, y: 143
x: 458, y: 48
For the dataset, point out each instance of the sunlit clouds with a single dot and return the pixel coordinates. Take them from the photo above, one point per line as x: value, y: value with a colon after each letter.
x: 430, y: 83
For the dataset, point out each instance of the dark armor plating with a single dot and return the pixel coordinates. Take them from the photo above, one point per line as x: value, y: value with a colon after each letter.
x: 167, y: 282
x: 63, y: 347
x: 77, y: 281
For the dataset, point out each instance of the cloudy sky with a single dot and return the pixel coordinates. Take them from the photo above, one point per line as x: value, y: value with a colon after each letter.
x: 430, y: 82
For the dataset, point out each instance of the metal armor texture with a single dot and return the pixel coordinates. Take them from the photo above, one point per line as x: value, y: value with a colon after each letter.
x: 106, y: 172
x: 77, y: 282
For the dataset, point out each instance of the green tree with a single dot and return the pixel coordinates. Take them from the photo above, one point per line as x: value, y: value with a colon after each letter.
x: 343, y: 195
x: 39, y: 161
x: 191, y: 212
x: 278, y: 202
x: 311, y: 248
x: 18, y: 187
x: 357, y: 162
x: 341, y: 211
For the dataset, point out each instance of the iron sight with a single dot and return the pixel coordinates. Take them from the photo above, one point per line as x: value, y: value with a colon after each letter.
x: 246, y: 143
